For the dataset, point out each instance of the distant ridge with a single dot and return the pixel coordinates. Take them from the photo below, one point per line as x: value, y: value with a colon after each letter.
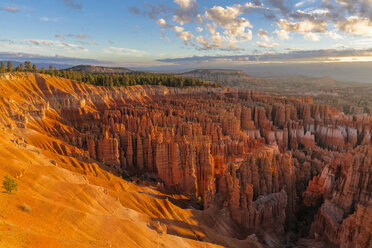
x: 100, y: 69
x: 215, y: 71
x: 228, y: 77
x: 231, y: 77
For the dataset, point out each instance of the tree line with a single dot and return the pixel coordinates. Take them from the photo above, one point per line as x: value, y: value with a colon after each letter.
x: 110, y: 79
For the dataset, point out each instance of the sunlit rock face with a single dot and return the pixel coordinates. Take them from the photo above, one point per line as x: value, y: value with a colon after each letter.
x: 256, y: 158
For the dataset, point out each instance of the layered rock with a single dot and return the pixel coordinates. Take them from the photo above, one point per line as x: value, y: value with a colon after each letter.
x: 344, y: 218
x: 260, y: 191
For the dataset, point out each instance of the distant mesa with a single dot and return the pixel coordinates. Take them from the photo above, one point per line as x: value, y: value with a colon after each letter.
x: 99, y: 69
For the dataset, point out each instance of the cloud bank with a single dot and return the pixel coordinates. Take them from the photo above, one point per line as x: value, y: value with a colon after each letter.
x: 36, y: 58
x: 323, y: 55
x: 228, y: 27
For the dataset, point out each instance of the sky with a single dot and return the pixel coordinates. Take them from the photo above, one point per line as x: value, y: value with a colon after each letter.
x: 174, y: 32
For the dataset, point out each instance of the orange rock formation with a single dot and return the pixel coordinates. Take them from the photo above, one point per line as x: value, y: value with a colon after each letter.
x: 250, y: 159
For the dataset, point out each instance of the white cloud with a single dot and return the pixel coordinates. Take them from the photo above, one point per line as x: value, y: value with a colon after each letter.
x: 47, y: 43
x: 52, y: 43
x: 224, y: 26
x: 205, y: 44
x: 212, y: 42
x: 235, y: 28
x: 299, y: 4
x: 318, y: 12
x: 187, y: 11
x: 223, y: 16
x: 185, y: 36
x: 282, y: 34
x: 35, y: 42
x: 124, y: 51
x: 184, y: 3
x: 308, y: 28
x: 305, y: 26
x: 334, y: 35
x: 355, y: 25
x: 248, y: 6
x: 267, y: 45
x: 342, y: 2
x: 161, y: 22
x: 10, y: 9
x: 264, y: 35
x: 312, y: 36
x: 340, y: 46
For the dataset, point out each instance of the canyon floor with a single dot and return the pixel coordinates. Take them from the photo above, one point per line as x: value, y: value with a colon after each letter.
x: 151, y: 166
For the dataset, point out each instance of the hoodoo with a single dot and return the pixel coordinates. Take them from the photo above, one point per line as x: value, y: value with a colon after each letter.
x: 204, y: 166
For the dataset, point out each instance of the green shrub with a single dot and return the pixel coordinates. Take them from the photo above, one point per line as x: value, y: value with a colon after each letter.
x: 9, y: 184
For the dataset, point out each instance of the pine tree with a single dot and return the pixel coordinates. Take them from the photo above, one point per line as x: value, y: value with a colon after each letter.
x: 56, y: 72
x: 50, y: 71
x: 28, y: 67
x: 10, y: 66
x: 2, y: 67
x: 112, y: 79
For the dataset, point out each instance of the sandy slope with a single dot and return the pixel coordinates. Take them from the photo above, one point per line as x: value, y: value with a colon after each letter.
x: 64, y: 200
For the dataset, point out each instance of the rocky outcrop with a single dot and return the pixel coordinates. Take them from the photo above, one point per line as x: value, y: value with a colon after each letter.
x: 344, y: 218
x: 260, y: 191
x: 246, y: 119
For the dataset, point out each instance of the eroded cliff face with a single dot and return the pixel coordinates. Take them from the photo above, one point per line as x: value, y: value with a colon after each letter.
x: 345, y: 216
x: 256, y: 157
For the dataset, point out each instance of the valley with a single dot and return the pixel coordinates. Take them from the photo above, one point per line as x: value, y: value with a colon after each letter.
x: 350, y: 97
